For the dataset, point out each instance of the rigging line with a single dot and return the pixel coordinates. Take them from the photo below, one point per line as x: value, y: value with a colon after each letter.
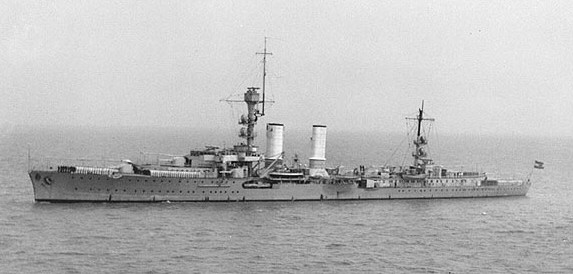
x: 257, y: 76
x: 245, y: 78
x: 233, y: 114
x: 254, y: 70
x: 430, y: 126
x: 408, y: 132
x: 395, y: 151
x: 276, y: 38
x: 408, y: 146
x: 437, y: 146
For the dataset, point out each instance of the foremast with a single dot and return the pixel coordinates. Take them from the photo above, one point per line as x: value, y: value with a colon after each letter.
x: 247, y: 151
x: 252, y: 99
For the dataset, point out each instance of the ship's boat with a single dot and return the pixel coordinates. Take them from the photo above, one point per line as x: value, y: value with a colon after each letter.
x: 257, y: 184
x: 414, y: 177
x: 244, y: 173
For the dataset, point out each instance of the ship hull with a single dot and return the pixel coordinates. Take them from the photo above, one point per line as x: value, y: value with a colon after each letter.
x: 50, y: 186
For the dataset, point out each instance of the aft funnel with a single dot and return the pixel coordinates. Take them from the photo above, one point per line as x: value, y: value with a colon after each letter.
x: 317, y: 160
x: 275, y: 134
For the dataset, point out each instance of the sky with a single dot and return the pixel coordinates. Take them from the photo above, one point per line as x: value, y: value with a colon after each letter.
x: 482, y: 67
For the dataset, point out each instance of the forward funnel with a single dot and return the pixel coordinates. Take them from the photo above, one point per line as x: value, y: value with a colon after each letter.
x: 275, y: 136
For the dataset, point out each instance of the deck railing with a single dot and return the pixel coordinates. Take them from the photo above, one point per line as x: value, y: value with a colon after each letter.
x: 52, y: 164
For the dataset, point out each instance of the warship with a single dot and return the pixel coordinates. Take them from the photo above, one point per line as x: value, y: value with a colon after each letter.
x: 243, y: 173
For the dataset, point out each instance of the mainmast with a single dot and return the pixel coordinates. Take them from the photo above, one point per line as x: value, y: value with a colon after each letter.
x: 420, y: 118
x: 420, y: 153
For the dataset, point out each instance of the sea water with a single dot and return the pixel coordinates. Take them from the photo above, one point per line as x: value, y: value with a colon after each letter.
x: 514, y: 234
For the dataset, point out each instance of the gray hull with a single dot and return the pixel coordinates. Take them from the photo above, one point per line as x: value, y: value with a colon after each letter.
x: 50, y: 186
